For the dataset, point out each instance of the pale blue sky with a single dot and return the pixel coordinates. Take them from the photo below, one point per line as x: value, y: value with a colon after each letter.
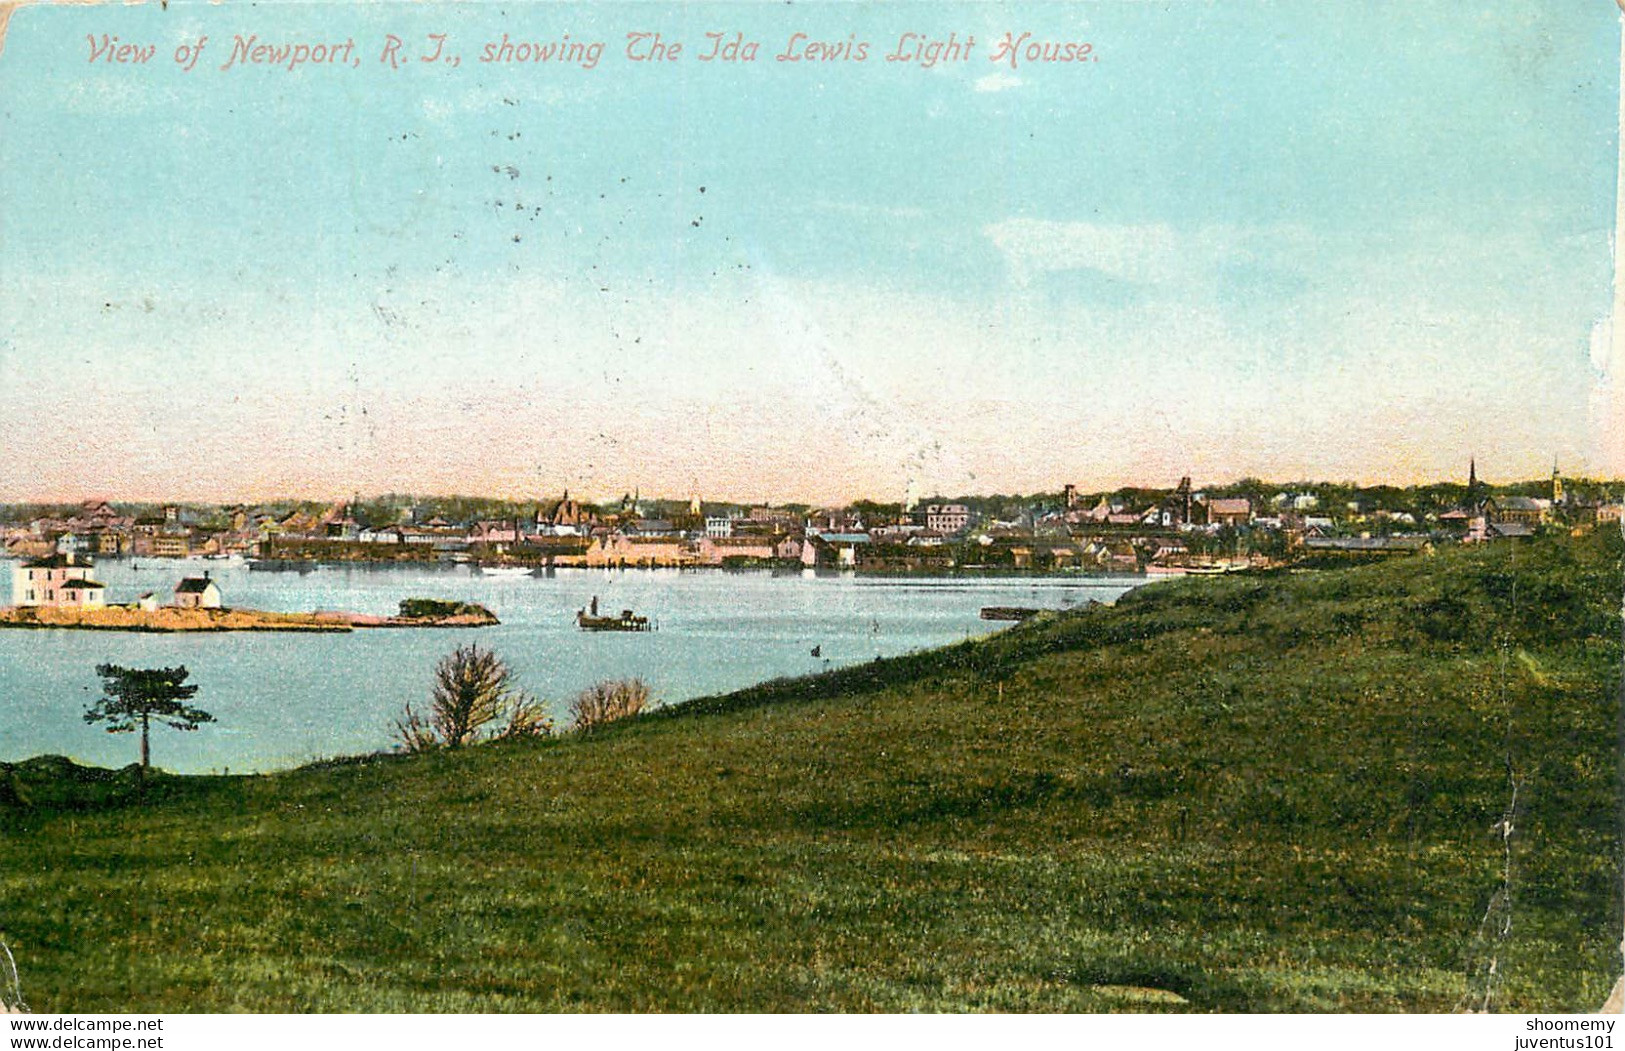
x: 1285, y: 239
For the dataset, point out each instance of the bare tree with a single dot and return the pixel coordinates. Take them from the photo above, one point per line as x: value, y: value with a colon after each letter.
x: 473, y: 688
x: 414, y: 732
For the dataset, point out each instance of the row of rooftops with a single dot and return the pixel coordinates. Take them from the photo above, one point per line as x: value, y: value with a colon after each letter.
x: 566, y: 517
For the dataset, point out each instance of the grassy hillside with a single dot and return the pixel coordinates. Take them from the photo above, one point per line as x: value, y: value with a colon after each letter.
x: 1224, y: 794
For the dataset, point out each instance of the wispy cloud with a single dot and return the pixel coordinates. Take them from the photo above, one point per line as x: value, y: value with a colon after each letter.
x: 1154, y: 257
x: 1144, y: 254
x: 1000, y: 81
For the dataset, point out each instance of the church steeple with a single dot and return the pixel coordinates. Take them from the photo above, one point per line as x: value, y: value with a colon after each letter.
x: 1557, y: 485
x: 1475, y: 499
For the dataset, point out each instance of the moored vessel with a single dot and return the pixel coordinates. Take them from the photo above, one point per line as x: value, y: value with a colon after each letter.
x: 505, y: 571
x: 282, y: 565
x: 589, y: 620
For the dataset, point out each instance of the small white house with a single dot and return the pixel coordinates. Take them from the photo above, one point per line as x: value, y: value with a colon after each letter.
x: 82, y: 592
x: 197, y: 593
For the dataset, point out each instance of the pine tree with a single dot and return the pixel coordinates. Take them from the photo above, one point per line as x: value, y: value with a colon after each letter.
x: 136, y: 697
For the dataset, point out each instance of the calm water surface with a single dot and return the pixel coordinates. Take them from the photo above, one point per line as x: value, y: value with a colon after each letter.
x: 283, y: 699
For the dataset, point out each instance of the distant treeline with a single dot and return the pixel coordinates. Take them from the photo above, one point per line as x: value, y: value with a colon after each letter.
x: 388, y: 508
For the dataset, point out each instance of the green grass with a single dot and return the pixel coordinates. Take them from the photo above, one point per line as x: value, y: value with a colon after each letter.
x: 1237, y: 794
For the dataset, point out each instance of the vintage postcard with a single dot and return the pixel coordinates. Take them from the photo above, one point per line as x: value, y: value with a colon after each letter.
x: 1098, y: 507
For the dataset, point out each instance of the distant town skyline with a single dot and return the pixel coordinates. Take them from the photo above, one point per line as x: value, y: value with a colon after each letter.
x: 1612, y: 486
x: 1155, y: 530
x: 1290, y: 241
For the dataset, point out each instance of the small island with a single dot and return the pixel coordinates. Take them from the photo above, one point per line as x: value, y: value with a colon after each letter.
x: 58, y: 592
x: 414, y: 613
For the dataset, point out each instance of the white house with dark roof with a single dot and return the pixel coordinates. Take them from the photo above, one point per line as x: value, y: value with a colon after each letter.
x: 45, y: 582
x: 197, y: 593
x: 83, y: 593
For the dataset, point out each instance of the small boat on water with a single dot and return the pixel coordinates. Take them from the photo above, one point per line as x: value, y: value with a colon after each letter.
x: 281, y: 565
x: 505, y: 571
x: 589, y: 620
x: 1008, y: 612
x: 1198, y: 569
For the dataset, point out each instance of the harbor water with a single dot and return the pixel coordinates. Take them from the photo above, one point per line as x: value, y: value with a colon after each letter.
x: 282, y: 699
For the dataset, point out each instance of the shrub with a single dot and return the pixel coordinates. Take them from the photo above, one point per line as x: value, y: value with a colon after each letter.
x: 414, y: 732
x: 473, y: 688
x: 423, y: 608
x: 608, y: 702
x: 527, y: 717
